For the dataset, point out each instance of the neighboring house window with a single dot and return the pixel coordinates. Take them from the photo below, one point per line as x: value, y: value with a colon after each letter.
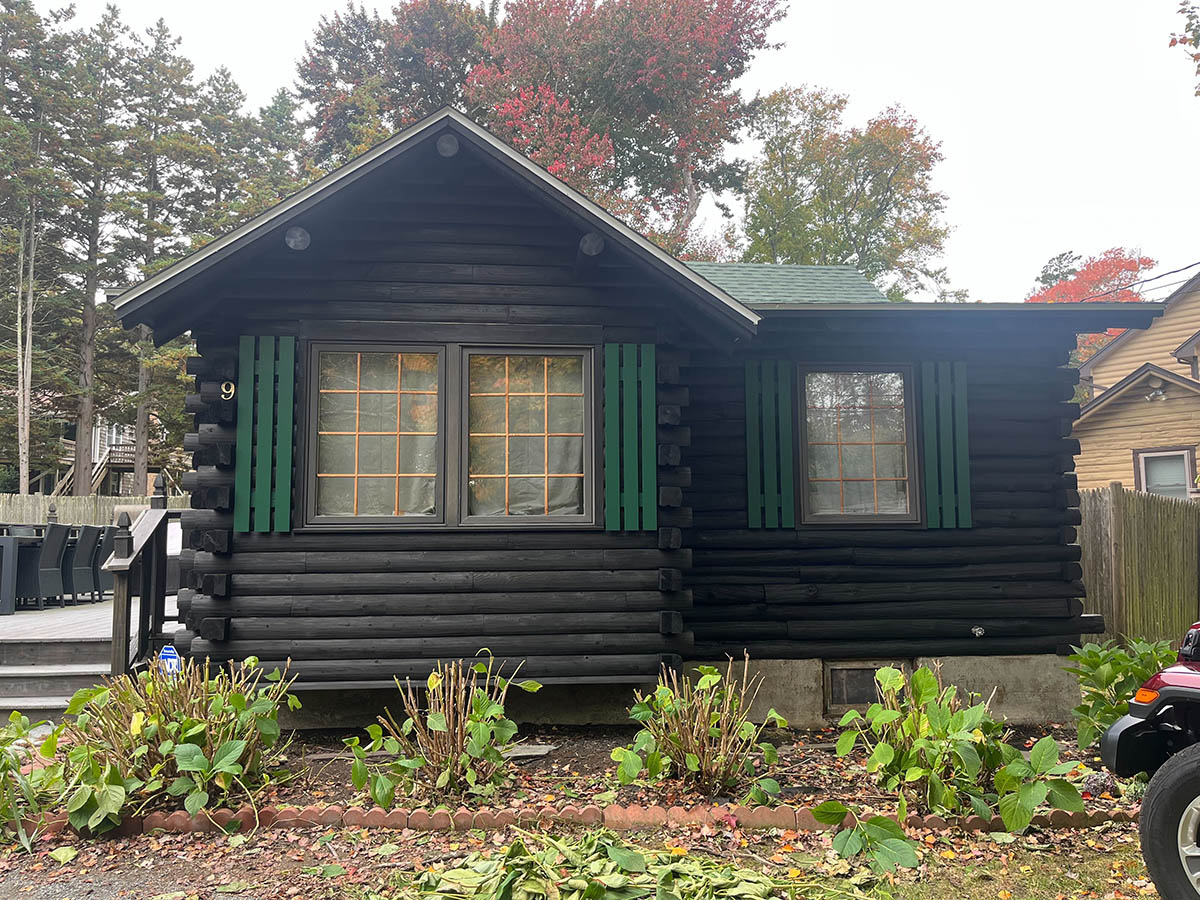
x: 857, y: 445
x: 518, y: 423
x: 1169, y: 471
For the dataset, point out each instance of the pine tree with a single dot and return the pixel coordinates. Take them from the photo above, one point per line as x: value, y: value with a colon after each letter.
x: 95, y: 132
x: 164, y: 153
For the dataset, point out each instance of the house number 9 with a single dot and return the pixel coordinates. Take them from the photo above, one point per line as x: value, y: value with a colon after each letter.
x: 228, y: 389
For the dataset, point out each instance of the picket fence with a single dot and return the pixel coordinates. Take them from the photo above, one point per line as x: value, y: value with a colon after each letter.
x: 34, y: 509
x: 1141, y: 561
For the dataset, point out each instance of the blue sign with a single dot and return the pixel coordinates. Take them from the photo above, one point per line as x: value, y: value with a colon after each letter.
x: 168, y: 658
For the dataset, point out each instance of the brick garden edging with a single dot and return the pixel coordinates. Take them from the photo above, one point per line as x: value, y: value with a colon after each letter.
x: 615, y: 817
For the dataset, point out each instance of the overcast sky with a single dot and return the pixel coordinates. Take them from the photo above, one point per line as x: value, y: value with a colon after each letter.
x: 1066, y: 124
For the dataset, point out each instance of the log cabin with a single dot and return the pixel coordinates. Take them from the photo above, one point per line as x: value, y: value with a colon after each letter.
x: 444, y: 402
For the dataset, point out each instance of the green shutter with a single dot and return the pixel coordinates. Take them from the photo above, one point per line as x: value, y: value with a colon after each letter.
x: 266, y: 392
x: 630, y: 449
x: 947, y: 468
x: 770, y: 458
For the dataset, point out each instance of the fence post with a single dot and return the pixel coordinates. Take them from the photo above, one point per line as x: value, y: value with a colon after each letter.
x: 1116, y: 555
x: 52, y: 515
x: 122, y: 549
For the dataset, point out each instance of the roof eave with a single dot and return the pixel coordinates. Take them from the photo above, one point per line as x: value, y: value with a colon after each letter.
x: 1141, y: 372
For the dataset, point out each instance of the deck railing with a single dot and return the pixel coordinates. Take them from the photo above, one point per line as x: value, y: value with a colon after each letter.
x: 139, y: 567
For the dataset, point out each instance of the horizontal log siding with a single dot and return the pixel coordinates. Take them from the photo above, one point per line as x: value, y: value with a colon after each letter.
x: 444, y: 246
x: 856, y: 592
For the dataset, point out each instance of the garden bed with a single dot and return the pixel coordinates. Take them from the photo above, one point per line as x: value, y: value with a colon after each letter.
x: 580, y: 771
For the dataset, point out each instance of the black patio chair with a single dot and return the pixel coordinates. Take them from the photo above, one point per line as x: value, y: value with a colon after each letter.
x: 104, y: 580
x: 39, y: 567
x: 22, y: 530
x: 78, y: 563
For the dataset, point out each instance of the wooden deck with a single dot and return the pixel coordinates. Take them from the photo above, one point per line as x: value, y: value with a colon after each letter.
x: 87, y: 621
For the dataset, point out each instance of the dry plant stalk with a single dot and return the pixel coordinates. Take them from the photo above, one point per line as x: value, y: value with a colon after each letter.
x: 460, y: 731
x: 702, y: 725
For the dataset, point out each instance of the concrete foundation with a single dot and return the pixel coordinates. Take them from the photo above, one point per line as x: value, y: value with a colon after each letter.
x: 1029, y: 690
x: 1025, y: 690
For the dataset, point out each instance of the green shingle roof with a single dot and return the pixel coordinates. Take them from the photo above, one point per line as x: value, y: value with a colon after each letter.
x: 754, y: 283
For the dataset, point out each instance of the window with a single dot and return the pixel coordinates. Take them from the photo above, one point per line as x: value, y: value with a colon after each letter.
x: 525, y: 437
x: 519, y: 423
x: 856, y: 435
x: 1169, y: 471
x: 850, y: 684
x: 377, y: 434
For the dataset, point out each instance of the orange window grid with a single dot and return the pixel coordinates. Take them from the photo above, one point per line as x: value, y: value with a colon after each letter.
x: 545, y: 433
x: 399, y: 432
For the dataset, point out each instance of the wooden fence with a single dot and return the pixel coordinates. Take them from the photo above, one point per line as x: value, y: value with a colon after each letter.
x: 34, y: 509
x: 1141, y: 561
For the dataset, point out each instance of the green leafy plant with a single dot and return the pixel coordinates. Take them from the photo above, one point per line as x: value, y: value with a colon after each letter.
x: 28, y: 787
x: 454, y: 743
x: 199, y: 734
x: 879, y: 840
x: 925, y: 745
x: 700, y: 731
x: 1024, y: 785
x: 945, y: 757
x: 597, y: 865
x: 1108, y: 676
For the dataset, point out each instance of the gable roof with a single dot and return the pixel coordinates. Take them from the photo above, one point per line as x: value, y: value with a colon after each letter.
x: 148, y: 300
x: 754, y: 283
x: 1132, y: 380
x: 1185, y: 351
x: 1189, y: 287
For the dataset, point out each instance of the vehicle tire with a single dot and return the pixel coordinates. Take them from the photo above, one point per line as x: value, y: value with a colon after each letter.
x: 1170, y: 825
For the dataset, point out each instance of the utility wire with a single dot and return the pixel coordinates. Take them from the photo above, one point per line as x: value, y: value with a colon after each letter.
x: 1143, y: 281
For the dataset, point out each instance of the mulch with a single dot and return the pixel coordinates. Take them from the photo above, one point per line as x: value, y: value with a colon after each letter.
x: 581, y: 771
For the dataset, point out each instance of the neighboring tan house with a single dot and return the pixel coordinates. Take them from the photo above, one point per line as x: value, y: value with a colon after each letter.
x: 1141, y: 425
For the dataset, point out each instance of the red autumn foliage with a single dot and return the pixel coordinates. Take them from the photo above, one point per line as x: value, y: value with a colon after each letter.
x: 1107, y: 278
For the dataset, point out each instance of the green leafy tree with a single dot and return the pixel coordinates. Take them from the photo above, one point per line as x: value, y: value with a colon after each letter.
x: 824, y: 193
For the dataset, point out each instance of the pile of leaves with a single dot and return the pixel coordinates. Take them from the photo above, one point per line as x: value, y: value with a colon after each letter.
x: 598, y: 866
x: 1109, y: 674
x: 453, y: 743
x: 201, y: 734
x: 700, y: 732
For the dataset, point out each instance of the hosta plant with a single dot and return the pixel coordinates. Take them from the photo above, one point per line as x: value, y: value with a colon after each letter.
x: 204, y: 734
x: 699, y: 731
x: 944, y: 756
x: 1108, y: 676
x: 453, y: 743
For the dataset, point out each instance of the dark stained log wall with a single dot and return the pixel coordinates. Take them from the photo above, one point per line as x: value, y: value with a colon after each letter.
x: 449, y: 249
x: 441, y: 246
x: 1008, y: 585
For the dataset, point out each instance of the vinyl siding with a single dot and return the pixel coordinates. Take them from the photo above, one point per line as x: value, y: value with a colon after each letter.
x: 1153, y: 345
x: 1108, y: 439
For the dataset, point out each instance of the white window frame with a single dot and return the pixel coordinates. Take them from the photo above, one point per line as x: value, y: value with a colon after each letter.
x: 1189, y: 467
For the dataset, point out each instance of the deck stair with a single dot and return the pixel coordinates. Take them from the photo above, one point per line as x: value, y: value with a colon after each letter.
x: 38, y: 676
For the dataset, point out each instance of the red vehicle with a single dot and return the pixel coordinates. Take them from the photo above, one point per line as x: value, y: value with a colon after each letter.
x: 1161, y: 736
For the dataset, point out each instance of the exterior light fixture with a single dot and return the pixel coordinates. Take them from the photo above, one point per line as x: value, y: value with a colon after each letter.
x: 297, y: 238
